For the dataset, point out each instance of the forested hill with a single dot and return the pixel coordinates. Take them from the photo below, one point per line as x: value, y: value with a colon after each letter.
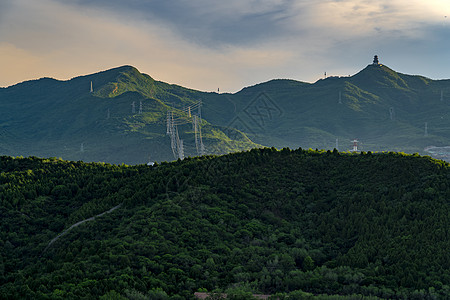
x: 124, y: 118
x: 289, y: 222
x: 384, y: 109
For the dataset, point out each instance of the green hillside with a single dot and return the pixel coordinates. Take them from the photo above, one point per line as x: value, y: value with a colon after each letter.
x: 290, y: 113
x: 302, y: 223
x: 383, y: 109
x: 48, y: 118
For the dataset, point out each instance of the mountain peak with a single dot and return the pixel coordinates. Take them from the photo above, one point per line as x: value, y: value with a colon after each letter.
x: 380, y: 74
x: 116, y: 81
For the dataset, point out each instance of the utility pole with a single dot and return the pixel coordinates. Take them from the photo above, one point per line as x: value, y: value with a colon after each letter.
x: 392, y: 113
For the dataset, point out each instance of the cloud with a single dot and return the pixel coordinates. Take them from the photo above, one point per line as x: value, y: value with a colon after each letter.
x: 205, y: 44
x: 236, y: 22
x: 207, y: 22
x: 51, y: 39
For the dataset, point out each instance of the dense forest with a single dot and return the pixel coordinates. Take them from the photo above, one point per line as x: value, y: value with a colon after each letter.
x: 297, y: 224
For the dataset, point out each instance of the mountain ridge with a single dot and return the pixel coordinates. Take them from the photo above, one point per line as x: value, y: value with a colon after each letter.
x: 385, y: 109
x: 102, y: 116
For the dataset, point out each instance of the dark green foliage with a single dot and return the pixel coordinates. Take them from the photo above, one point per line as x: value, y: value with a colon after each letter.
x: 294, y: 223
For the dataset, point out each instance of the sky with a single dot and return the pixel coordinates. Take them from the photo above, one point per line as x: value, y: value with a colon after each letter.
x: 227, y: 45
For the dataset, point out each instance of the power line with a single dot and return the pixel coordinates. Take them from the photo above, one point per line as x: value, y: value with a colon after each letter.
x: 176, y: 118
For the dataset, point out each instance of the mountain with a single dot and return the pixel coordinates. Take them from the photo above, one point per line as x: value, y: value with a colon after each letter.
x: 300, y: 223
x: 47, y: 117
x: 383, y: 109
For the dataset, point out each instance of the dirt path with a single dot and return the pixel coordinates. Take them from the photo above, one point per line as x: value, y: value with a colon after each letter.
x: 79, y: 223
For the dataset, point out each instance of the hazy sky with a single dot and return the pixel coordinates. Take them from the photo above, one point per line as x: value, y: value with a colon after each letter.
x: 210, y: 44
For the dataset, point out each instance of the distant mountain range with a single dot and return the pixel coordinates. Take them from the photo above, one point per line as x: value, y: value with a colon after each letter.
x: 127, y: 116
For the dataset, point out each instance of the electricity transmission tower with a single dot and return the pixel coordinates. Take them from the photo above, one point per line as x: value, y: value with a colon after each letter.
x: 392, y: 113
x: 176, y: 118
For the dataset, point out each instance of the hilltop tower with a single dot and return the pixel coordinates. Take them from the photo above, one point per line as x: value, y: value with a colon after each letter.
x: 355, y: 146
x: 375, y: 60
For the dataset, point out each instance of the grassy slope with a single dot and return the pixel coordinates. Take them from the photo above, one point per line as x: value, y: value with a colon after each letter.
x: 310, y: 114
x: 53, y: 118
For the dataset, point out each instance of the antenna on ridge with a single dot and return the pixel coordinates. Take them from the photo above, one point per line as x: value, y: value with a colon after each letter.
x: 133, y: 107
x: 92, y: 89
x: 340, y: 98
